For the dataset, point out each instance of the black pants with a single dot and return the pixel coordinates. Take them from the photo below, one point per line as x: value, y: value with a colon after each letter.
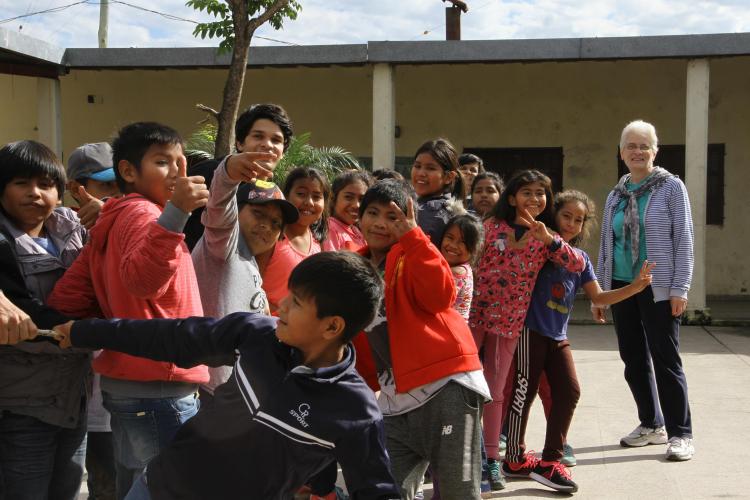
x: 649, y: 340
x: 537, y: 355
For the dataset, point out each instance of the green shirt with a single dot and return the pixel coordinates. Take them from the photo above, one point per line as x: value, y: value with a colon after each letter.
x: 623, y: 269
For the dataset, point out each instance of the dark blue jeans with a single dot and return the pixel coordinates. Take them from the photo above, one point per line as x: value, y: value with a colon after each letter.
x: 141, y: 427
x: 39, y: 460
x: 649, y: 340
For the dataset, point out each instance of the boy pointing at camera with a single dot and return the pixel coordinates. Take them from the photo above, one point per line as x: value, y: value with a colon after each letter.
x: 138, y: 266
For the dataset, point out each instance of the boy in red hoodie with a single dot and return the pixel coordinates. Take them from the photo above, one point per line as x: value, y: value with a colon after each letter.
x: 137, y: 266
x: 430, y: 379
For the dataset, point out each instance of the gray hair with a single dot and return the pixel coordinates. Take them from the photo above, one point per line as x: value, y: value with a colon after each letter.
x: 643, y: 128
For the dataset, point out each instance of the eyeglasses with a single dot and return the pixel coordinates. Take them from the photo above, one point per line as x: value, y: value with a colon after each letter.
x: 631, y: 146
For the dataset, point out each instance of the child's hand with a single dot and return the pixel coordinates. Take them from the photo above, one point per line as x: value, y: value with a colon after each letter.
x: 537, y: 229
x: 403, y: 223
x: 63, y: 332
x: 245, y: 167
x: 644, y: 277
x: 598, y: 314
x: 189, y: 192
x: 89, y: 207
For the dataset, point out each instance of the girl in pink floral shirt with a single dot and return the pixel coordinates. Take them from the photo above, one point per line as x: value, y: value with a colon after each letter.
x: 517, y: 244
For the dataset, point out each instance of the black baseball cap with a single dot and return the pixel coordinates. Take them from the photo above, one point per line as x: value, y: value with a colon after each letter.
x: 263, y: 192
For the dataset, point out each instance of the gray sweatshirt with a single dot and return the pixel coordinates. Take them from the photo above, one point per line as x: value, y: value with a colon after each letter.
x: 228, y: 276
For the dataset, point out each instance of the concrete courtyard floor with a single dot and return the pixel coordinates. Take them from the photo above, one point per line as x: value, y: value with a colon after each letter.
x: 717, y: 364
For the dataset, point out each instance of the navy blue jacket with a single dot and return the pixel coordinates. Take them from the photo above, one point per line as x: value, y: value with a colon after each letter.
x: 271, y: 427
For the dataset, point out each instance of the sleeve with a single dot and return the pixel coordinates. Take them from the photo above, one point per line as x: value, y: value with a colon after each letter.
x: 430, y: 276
x: 365, y: 362
x: 150, y: 254
x: 220, y: 217
x: 42, y: 315
x: 588, y: 271
x: 682, y: 240
x: 602, y: 237
x: 365, y: 464
x: 185, y: 342
x: 74, y: 294
x: 566, y: 256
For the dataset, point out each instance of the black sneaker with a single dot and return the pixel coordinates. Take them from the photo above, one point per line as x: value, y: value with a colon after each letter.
x: 555, y: 475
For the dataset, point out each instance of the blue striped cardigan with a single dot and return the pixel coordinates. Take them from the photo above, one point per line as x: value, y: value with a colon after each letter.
x: 668, y: 226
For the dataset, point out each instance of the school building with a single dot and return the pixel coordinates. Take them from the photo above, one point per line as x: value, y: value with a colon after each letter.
x: 553, y: 104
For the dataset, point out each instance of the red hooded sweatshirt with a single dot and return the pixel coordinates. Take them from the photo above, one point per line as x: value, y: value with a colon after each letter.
x: 428, y: 338
x: 132, y: 268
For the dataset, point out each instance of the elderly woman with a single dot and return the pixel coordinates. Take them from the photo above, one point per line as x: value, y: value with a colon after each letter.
x: 647, y: 216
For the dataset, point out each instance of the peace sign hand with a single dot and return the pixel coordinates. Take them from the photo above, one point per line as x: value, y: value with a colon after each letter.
x: 402, y: 224
x: 537, y: 229
x: 644, y: 276
x: 189, y: 192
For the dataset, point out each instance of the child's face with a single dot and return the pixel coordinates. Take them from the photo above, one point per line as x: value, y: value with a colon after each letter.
x: 101, y: 189
x: 157, y: 176
x: 307, y: 195
x: 377, y: 226
x: 570, y: 219
x: 28, y: 202
x: 264, y: 137
x: 469, y: 172
x: 453, y: 247
x: 484, y: 196
x: 299, y: 325
x: 346, y: 208
x: 260, y: 226
x: 428, y: 177
x: 531, y: 198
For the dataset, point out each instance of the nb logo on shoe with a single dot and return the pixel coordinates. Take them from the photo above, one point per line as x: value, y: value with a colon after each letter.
x: 447, y: 430
x: 301, y: 413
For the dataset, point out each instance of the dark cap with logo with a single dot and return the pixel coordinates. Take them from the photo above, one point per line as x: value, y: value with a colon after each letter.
x: 263, y: 192
x: 91, y: 161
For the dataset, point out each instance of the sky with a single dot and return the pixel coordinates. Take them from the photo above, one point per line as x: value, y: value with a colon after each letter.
x: 322, y: 22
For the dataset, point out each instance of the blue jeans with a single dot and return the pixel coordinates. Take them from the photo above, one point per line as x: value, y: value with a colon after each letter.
x: 139, y: 491
x: 40, y: 460
x: 141, y: 427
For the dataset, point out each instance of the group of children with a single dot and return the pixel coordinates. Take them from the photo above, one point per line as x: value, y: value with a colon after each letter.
x: 461, y: 286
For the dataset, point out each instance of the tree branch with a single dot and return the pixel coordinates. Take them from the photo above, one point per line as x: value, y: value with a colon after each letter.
x: 211, y: 112
x: 261, y: 19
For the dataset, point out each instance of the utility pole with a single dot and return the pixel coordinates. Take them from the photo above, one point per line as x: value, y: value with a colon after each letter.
x: 103, y: 21
x: 453, y: 19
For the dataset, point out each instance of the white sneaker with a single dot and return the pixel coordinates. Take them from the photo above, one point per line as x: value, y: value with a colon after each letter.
x: 641, y: 436
x: 680, y: 449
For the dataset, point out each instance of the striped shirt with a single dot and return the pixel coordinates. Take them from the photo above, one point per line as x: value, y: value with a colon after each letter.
x: 669, y: 240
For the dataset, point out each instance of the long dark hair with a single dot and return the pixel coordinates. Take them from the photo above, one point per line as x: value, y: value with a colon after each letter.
x: 319, y: 229
x: 344, y: 179
x: 446, y: 156
x: 503, y: 210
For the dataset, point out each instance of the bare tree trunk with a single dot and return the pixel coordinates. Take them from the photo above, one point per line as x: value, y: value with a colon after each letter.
x: 244, y: 29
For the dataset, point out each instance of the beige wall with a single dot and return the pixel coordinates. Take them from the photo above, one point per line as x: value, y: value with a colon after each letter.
x: 333, y: 104
x: 18, y: 102
x: 580, y: 106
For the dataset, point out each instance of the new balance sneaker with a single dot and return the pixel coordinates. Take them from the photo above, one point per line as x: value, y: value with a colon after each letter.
x: 497, y: 481
x: 554, y: 475
x: 680, y: 449
x: 522, y: 468
x: 568, y: 459
x: 641, y: 436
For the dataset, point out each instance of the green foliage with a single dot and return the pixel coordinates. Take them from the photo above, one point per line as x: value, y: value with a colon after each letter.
x: 223, y: 28
x: 328, y: 159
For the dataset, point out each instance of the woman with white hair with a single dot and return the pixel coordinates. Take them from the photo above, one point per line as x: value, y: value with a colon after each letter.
x: 647, y: 216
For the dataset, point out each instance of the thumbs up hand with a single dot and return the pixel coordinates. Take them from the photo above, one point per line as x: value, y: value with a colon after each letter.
x: 90, y: 207
x: 189, y: 192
